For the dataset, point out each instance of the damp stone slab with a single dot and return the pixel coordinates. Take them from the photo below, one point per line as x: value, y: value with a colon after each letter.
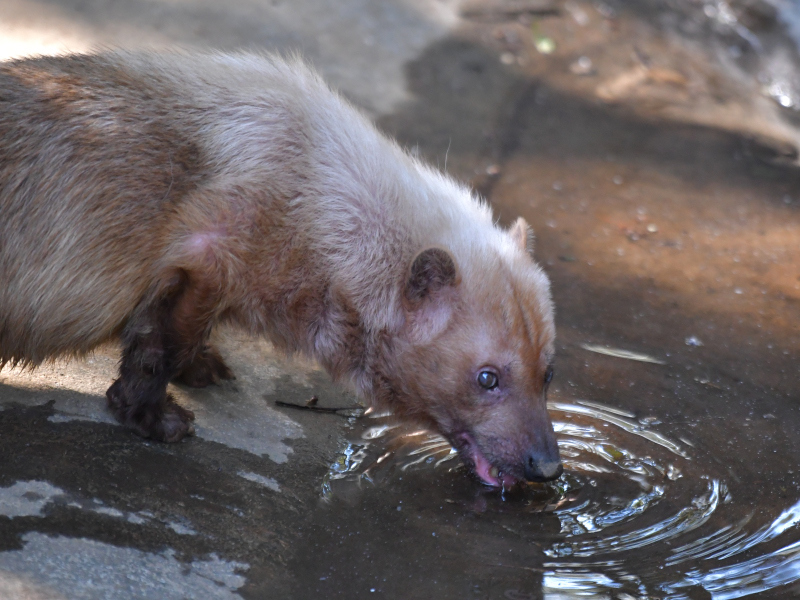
x: 234, y: 413
x: 26, y: 498
x: 130, y: 518
x: 64, y: 568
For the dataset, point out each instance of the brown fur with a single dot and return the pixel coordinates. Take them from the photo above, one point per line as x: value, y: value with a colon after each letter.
x: 150, y: 197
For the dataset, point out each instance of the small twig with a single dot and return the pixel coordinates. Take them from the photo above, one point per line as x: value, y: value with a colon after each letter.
x: 509, y: 9
x: 346, y: 411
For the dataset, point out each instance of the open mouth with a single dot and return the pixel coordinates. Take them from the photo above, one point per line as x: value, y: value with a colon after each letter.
x: 488, y: 474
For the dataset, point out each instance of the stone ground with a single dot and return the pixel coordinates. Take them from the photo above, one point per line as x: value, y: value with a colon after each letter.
x: 664, y: 191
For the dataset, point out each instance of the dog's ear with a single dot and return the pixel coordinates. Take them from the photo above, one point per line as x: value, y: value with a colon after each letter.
x: 432, y: 270
x: 522, y: 234
x: 430, y: 293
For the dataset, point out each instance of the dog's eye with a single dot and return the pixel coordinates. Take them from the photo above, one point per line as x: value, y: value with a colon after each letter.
x: 488, y: 380
x: 548, y: 375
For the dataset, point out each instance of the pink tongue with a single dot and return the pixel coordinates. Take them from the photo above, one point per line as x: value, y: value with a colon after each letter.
x: 482, y: 467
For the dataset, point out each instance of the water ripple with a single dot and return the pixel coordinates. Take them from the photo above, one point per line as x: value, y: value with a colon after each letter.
x: 638, y: 516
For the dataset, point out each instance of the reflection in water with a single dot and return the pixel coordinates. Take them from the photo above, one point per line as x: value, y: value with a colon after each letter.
x: 750, y: 576
x: 637, y: 519
x: 566, y: 584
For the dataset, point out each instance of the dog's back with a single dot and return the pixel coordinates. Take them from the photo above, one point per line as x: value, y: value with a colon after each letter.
x: 90, y: 161
x: 151, y: 196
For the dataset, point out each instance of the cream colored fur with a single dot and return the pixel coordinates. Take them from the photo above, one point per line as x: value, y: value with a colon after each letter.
x: 284, y: 208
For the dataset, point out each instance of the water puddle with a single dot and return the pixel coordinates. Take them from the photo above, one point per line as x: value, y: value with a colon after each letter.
x: 638, y: 515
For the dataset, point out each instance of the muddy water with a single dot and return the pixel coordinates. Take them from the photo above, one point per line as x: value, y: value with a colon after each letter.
x: 637, y: 514
x: 646, y: 509
x: 664, y: 192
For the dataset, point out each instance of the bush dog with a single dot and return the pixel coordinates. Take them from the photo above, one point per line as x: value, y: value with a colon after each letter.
x: 148, y: 197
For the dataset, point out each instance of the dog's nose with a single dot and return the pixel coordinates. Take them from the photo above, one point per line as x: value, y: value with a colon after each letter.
x: 539, y: 471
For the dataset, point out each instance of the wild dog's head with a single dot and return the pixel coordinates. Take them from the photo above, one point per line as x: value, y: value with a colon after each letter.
x: 476, y: 358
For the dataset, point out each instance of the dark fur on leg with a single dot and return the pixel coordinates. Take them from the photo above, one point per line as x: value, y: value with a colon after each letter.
x: 164, y: 421
x: 205, y: 368
x: 154, y: 354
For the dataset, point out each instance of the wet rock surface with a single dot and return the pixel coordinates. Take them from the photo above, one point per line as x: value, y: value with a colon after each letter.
x: 232, y: 505
x: 661, y: 179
